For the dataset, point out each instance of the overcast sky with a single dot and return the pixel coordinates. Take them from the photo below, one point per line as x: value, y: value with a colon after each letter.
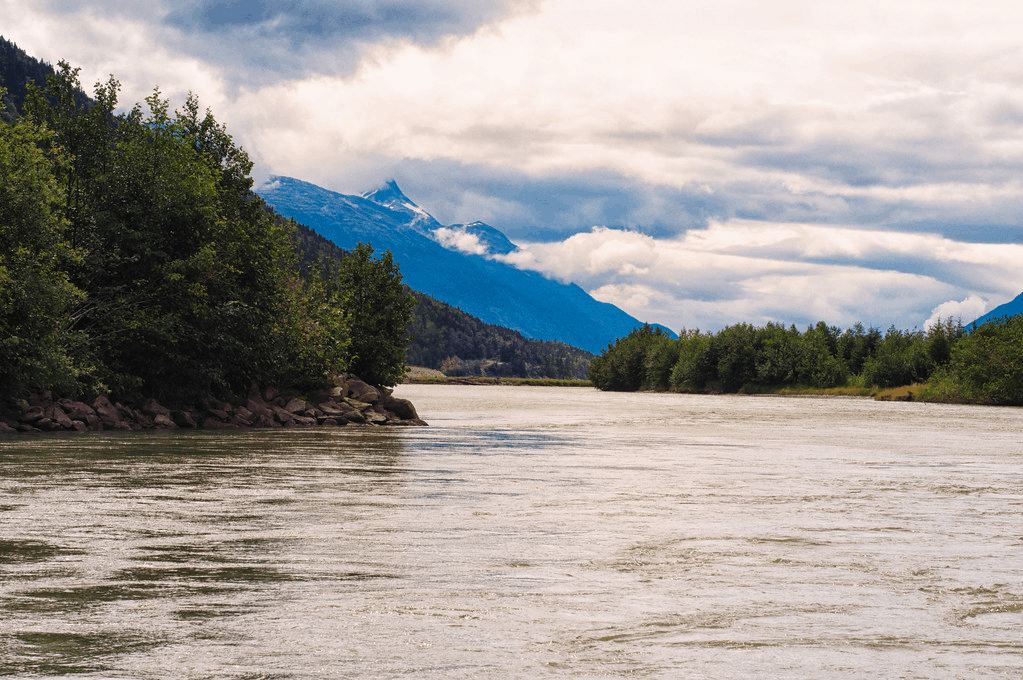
x: 698, y: 164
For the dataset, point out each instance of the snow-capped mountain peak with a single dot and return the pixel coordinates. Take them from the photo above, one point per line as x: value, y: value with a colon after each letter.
x: 390, y: 196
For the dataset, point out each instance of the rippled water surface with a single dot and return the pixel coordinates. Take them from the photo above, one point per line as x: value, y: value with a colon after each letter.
x: 529, y: 532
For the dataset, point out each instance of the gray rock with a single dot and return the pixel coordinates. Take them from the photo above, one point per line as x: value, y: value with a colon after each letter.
x: 183, y: 419
x: 164, y: 421
x: 295, y: 405
x: 155, y: 408
x: 32, y: 414
x: 77, y: 410
x: 57, y: 415
x: 403, y: 408
x: 331, y: 409
x: 360, y: 391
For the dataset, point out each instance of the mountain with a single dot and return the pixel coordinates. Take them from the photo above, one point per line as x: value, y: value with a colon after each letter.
x: 453, y: 264
x: 1011, y: 308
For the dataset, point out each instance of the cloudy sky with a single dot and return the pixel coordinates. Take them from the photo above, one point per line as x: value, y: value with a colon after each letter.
x: 698, y: 164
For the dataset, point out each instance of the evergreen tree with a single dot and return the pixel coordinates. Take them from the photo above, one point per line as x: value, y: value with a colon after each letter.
x: 380, y: 307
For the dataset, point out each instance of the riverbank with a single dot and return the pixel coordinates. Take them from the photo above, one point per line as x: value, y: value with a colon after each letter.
x: 350, y: 402
x: 905, y: 393
x: 485, y: 380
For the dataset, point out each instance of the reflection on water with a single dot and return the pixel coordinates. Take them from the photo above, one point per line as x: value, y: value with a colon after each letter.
x: 529, y: 532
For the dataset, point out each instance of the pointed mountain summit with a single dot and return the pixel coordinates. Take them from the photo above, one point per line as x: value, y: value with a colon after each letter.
x: 392, y: 198
x: 387, y: 195
x: 490, y: 290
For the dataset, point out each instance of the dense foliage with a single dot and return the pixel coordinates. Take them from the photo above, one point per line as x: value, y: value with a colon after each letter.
x: 135, y: 259
x: 36, y: 295
x: 984, y: 367
x: 744, y: 358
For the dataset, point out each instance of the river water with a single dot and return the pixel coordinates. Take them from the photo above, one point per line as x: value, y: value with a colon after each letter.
x: 528, y: 532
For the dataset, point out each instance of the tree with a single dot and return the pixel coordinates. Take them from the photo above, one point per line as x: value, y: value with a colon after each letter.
x: 380, y: 307
x: 35, y: 293
x: 641, y: 360
x: 900, y: 359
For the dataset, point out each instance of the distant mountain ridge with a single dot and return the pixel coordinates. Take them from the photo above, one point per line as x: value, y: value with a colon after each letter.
x: 1010, y: 308
x: 495, y: 292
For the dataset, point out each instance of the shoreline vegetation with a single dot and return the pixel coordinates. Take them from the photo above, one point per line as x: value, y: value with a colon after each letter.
x: 143, y: 284
x: 903, y: 393
x: 947, y: 364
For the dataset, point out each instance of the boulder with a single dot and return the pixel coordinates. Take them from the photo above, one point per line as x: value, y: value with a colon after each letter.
x: 295, y: 405
x: 164, y: 421
x: 77, y: 410
x: 331, y: 409
x: 183, y: 419
x: 109, y: 415
x: 282, y: 416
x: 361, y: 391
x: 154, y: 408
x: 47, y: 425
x: 57, y: 415
x: 304, y: 421
x: 374, y: 417
x: 403, y: 408
x: 33, y: 414
x: 259, y: 408
x: 243, y: 416
x: 356, y: 417
x: 219, y: 414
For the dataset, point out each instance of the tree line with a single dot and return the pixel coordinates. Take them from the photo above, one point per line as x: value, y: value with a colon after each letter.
x: 136, y: 261
x: 981, y: 366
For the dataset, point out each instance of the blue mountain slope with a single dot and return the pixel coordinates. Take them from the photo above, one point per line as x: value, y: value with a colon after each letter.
x: 492, y: 291
x: 1011, y: 308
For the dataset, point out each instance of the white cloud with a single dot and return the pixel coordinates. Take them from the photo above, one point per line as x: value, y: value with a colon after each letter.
x: 966, y: 310
x: 133, y: 49
x: 460, y: 240
x: 747, y: 271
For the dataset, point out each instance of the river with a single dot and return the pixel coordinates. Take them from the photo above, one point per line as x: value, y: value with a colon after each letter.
x: 527, y: 533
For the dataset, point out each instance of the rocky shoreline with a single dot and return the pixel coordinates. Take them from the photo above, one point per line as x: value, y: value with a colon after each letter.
x: 350, y: 402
